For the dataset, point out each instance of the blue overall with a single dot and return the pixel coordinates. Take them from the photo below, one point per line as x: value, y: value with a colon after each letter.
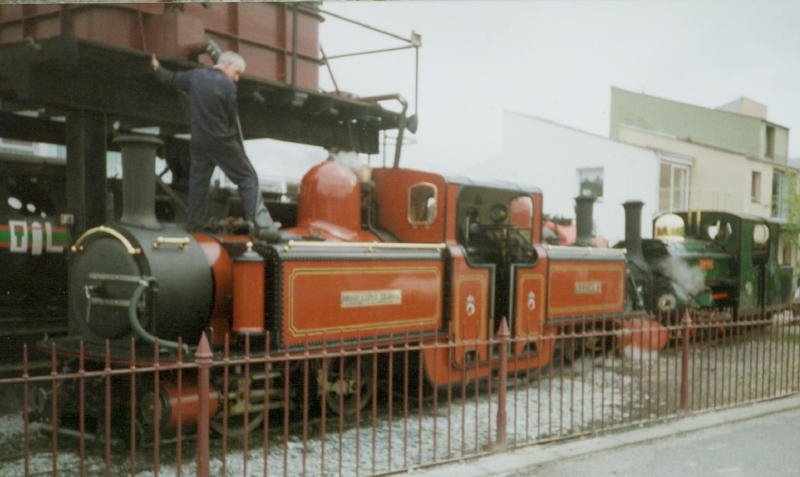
x: 215, y: 139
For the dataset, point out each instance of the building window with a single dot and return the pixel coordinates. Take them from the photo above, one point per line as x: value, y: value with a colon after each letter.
x: 785, y: 255
x: 770, y: 142
x: 590, y: 182
x: 673, y: 187
x: 780, y: 195
x: 755, y: 188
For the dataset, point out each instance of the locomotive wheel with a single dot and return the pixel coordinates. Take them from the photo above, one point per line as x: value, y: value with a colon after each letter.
x: 667, y: 302
x: 236, y: 427
x: 347, y: 384
x: 236, y: 408
x: 565, y: 351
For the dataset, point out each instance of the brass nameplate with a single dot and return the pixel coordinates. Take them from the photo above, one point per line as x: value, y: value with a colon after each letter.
x: 355, y: 299
x: 588, y: 288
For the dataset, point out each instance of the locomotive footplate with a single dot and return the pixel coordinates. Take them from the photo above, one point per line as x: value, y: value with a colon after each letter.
x: 708, y: 316
x: 119, y: 351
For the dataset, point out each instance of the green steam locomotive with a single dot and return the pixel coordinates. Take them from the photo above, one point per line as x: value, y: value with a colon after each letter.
x: 725, y: 263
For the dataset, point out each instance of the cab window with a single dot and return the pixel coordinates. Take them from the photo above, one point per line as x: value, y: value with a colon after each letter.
x: 719, y: 230
x: 422, y: 204
x: 760, y: 234
x: 521, y: 215
x: 669, y: 227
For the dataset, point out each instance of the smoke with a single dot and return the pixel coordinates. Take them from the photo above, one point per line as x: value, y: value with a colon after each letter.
x: 691, y: 279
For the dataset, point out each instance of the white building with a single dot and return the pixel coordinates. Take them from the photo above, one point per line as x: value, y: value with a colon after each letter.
x: 564, y: 161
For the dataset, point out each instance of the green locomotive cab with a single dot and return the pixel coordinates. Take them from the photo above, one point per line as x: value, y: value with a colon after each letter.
x: 720, y: 260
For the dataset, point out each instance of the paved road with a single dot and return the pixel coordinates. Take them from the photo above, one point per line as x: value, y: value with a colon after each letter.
x: 767, y: 446
x: 761, y: 440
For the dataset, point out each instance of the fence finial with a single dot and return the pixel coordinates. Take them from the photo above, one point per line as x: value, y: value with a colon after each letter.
x: 203, y: 349
x: 503, y: 336
x: 502, y: 330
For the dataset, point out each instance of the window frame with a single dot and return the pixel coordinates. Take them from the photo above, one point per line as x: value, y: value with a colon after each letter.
x: 422, y: 223
x: 671, y: 188
x: 581, y: 170
x: 769, y: 142
x: 781, y: 192
x: 755, y: 187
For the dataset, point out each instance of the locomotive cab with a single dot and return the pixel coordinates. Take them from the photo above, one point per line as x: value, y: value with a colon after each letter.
x: 488, y: 232
x: 493, y: 238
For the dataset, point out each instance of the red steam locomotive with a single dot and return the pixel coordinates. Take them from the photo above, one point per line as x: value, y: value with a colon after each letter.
x: 403, y: 256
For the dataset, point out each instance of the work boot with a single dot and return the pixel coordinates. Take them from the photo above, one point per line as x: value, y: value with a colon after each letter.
x: 268, y: 234
x: 262, y: 219
x: 273, y: 235
x: 265, y: 228
x: 268, y: 230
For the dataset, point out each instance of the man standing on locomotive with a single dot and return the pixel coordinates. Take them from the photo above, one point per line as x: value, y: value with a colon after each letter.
x: 216, y: 139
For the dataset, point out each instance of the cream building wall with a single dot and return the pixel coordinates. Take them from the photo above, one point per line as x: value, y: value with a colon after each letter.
x: 738, y: 127
x: 549, y: 155
x: 718, y: 179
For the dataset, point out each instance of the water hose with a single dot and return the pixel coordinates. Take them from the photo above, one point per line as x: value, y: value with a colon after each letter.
x: 137, y: 326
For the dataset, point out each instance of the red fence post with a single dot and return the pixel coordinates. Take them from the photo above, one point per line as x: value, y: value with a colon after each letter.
x: 684, y: 405
x: 203, y: 357
x: 502, y: 336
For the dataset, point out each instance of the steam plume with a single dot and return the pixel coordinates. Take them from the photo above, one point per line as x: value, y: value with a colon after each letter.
x: 691, y: 279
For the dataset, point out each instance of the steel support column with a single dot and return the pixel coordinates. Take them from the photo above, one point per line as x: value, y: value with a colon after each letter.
x: 86, y: 169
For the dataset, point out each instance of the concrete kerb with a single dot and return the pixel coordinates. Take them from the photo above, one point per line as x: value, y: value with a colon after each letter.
x: 519, y: 460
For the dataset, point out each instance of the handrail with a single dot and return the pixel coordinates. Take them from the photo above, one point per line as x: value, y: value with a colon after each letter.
x: 370, y: 245
x: 78, y: 246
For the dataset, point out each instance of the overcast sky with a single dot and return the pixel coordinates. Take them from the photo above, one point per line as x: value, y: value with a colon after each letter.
x: 559, y: 59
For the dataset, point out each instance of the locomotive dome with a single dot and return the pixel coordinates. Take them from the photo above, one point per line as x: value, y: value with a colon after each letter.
x: 329, y: 192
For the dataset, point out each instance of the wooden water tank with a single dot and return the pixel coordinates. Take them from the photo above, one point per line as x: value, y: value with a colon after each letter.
x: 261, y: 32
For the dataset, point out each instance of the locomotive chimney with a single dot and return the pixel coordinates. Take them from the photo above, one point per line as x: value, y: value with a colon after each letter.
x: 583, y: 220
x: 633, y: 228
x: 138, y: 179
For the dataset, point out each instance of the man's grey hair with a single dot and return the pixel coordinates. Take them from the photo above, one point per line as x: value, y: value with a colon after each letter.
x: 233, y: 58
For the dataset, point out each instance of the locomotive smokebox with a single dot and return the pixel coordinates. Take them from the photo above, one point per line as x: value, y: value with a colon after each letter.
x: 633, y: 229
x: 583, y: 220
x: 139, y: 278
x: 138, y: 180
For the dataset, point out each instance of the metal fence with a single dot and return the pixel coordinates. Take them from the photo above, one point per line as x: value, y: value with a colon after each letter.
x: 369, y: 409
